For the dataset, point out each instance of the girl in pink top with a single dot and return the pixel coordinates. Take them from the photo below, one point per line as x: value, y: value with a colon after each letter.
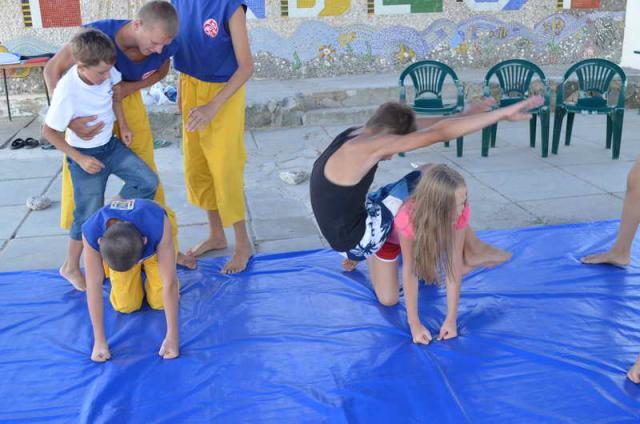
x: 430, y: 230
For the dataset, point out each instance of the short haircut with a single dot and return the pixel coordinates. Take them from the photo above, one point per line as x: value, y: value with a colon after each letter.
x: 121, y: 246
x: 159, y: 12
x: 91, y: 47
x: 393, y: 118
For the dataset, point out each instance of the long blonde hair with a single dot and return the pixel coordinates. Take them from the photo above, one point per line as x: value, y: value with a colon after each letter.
x: 433, y: 214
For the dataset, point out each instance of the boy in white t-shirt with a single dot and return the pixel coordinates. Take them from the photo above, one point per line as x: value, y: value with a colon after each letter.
x: 86, y: 90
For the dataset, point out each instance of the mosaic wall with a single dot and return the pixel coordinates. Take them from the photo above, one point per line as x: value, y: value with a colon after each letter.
x: 561, y: 31
x: 317, y: 38
x: 51, y: 13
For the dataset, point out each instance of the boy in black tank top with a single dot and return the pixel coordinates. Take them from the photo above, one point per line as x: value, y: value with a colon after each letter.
x: 356, y: 223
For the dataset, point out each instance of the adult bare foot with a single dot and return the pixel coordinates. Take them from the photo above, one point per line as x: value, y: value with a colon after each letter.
x: 207, y: 246
x: 238, y: 262
x: 634, y: 373
x: 349, y: 265
x: 74, y: 276
x: 610, y: 258
x: 486, y: 256
x: 188, y: 261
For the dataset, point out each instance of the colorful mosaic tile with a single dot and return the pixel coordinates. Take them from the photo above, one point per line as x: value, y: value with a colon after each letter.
x: 313, y: 8
x: 494, y: 5
x: 578, y: 4
x: 256, y: 9
x: 51, y: 13
x: 398, y: 7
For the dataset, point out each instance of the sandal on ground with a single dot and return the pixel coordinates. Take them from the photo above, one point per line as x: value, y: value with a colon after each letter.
x: 31, y: 143
x: 17, y: 143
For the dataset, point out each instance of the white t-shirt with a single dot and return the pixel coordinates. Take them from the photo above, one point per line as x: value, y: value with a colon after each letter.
x: 74, y: 98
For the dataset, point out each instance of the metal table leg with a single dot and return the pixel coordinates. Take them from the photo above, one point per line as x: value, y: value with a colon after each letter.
x: 46, y: 89
x: 6, y: 93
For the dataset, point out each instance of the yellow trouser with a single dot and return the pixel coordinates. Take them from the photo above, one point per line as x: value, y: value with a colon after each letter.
x: 142, y: 145
x: 214, y: 157
x: 126, y: 287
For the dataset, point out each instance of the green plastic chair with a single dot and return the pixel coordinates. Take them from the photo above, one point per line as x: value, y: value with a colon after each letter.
x: 594, y: 78
x: 514, y: 78
x: 429, y: 77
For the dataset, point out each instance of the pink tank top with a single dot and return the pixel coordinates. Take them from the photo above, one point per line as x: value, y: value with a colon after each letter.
x: 402, y: 222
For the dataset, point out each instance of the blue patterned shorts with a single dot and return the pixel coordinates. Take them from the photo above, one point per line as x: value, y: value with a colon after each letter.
x: 382, y: 206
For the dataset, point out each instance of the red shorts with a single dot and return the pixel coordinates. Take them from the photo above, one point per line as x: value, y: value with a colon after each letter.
x: 389, y: 252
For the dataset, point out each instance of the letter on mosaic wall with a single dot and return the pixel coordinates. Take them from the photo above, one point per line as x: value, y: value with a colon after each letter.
x: 578, y: 4
x: 399, y: 7
x: 313, y: 8
x: 51, y: 13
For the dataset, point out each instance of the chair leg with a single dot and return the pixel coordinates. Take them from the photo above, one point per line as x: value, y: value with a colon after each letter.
x: 557, y: 128
x: 486, y: 141
x: 609, y: 130
x: 617, y: 133
x: 567, y: 138
x: 459, y: 145
x: 532, y: 130
x: 494, y: 133
x: 545, y: 120
x: 446, y: 144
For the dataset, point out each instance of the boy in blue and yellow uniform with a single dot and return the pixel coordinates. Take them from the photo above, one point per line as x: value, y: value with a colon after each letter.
x: 215, y: 62
x: 144, y: 47
x: 128, y: 237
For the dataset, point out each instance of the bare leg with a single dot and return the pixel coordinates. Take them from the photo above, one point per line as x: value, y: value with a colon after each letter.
x: 216, y: 239
x: 477, y: 253
x: 384, y: 277
x: 70, y: 269
x: 242, y: 251
x: 634, y: 372
x: 620, y: 253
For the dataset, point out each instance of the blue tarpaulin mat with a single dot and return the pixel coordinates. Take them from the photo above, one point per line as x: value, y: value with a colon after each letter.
x: 543, y: 339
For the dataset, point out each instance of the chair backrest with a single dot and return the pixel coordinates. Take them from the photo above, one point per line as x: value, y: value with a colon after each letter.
x: 514, y: 76
x: 428, y: 76
x: 595, y: 76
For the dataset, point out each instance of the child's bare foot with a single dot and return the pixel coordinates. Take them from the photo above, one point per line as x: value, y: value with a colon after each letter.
x: 610, y: 258
x: 74, y: 276
x: 170, y: 348
x: 634, y: 373
x: 486, y: 256
x: 349, y: 265
x: 238, y: 262
x: 100, y: 352
x: 207, y: 246
x: 188, y: 261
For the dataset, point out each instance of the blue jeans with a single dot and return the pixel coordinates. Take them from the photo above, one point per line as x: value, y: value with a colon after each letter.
x: 140, y: 182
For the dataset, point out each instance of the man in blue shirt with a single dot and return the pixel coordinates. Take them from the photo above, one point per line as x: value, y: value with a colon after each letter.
x: 144, y: 47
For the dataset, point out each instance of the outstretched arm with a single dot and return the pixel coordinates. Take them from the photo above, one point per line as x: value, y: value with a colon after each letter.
x: 449, y: 328
x: 477, y: 107
x: 452, y: 128
x: 167, y: 265
x: 95, y: 277
x: 419, y: 333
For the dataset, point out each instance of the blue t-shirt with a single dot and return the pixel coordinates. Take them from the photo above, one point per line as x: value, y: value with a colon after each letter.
x: 146, y: 215
x: 130, y: 70
x: 205, y: 50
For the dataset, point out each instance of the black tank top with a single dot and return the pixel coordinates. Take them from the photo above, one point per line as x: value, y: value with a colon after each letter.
x: 339, y: 210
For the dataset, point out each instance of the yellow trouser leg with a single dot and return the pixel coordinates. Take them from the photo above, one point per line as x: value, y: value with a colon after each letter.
x: 142, y: 145
x: 126, y: 289
x: 214, y: 157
